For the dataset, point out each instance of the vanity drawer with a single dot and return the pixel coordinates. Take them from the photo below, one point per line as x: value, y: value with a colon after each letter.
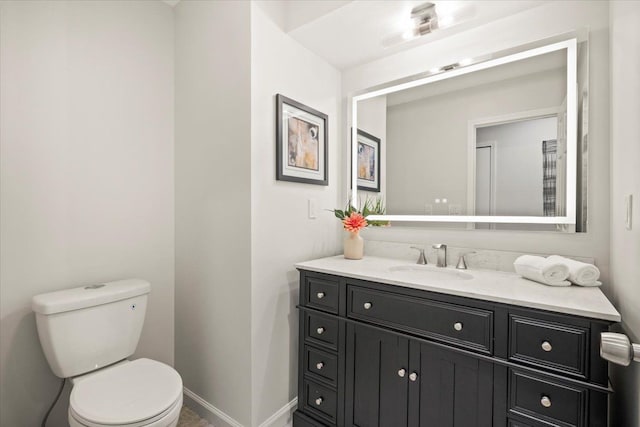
x: 546, y: 400
x: 556, y: 346
x: 320, y: 400
x: 465, y: 326
x: 322, y: 293
x: 321, y: 330
x: 321, y: 364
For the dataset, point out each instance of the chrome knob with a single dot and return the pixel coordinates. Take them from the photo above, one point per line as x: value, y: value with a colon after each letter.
x: 545, y: 401
x: 413, y: 376
x: 402, y: 373
x: 457, y: 326
x: 320, y: 330
x: 319, y: 401
x: 319, y: 365
x: 367, y: 305
x: 546, y: 346
x: 320, y: 295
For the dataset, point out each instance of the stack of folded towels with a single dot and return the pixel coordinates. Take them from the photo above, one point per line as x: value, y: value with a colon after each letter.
x: 557, y: 271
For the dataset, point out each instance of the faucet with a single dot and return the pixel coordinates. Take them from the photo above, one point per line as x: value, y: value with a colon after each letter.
x: 422, y: 260
x: 442, y: 254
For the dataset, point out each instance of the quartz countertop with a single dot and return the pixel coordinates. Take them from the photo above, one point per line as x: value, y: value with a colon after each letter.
x: 487, y: 285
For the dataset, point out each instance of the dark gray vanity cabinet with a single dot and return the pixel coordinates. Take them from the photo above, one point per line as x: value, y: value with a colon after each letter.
x: 374, y: 354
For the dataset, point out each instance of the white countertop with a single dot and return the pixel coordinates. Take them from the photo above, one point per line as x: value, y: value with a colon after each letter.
x: 487, y: 285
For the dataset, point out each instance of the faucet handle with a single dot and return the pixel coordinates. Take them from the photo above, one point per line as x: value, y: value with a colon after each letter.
x: 421, y: 259
x: 462, y: 264
x: 439, y: 246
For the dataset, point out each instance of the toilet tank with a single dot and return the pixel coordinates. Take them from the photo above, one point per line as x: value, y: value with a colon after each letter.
x: 86, y: 328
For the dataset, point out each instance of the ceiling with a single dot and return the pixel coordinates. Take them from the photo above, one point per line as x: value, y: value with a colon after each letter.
x: 352, y: 33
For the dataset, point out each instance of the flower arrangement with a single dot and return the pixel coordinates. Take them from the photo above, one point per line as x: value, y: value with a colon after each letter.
x: 355, y: 219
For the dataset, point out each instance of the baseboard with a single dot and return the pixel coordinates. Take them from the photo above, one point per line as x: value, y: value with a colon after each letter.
x: 207, y: 411
x: 282, y: 417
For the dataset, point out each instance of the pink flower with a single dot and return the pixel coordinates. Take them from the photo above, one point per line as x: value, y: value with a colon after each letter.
x: 354, y: 222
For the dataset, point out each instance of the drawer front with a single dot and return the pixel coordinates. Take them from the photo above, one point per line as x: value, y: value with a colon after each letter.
x: 457, y: 324
x: 321, y: 330
x: 320, y: 400
x: 550, y: 345
x: 546, y: 400
x: 322, y: 293
x: 321, y: 364
x: 514, y: 423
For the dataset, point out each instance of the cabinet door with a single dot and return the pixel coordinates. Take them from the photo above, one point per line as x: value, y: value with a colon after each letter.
x: 377, y: 378
x: 450, y: 389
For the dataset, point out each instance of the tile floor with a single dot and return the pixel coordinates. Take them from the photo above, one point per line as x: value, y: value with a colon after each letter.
x: 189, y: 418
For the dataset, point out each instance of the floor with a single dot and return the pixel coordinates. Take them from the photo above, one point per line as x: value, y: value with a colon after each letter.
x: 188, y: 418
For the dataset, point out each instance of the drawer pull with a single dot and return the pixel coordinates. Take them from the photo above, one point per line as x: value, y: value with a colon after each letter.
x: 320, y: 295
x: 413, y: 376
x: 319, y: 365
x: 457, y: 326
x: 402, y: 373
x: 319, y: 401
x: 367, y: 305
x: 320, y: 330
x: 546, y: 346
x: 545, y: 401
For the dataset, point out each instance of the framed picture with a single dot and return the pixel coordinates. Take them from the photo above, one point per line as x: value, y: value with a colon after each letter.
x: 368, y: 162
x: 301, y: 143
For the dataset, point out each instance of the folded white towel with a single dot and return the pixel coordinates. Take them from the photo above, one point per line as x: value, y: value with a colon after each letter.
x: 580, y: 273
x: 542, y: 270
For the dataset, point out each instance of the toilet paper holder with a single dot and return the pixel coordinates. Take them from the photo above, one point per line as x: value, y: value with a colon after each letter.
x: 617, y: 348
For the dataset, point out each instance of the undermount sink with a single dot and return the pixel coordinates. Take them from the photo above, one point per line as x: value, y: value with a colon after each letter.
x: 430, y: 272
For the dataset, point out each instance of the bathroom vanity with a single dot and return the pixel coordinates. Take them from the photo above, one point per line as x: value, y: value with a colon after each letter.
x: 385, y: 342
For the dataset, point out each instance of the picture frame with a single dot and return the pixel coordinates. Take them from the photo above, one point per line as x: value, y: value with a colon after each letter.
x: 369, y: 158
x: 302, y: 143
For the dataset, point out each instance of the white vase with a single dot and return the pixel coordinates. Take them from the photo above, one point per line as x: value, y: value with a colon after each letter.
x: 353, y: 246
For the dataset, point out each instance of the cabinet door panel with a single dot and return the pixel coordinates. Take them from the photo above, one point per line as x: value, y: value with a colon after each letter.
x: 454, y: 390
x: 377, y: 393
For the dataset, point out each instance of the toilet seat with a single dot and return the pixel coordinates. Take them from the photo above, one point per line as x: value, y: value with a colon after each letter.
x: 134, y: 394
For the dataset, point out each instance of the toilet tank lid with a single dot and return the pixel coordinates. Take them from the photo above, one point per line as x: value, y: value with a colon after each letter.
x: 89, y: 296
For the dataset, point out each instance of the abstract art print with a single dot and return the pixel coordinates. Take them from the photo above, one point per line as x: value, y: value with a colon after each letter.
x: 368, y: 162
x: 301, y: 143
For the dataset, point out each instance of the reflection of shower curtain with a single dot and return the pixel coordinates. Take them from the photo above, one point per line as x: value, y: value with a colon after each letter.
x: 549, y: 159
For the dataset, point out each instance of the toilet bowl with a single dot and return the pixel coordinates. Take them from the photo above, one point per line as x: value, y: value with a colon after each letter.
x: 143, y: 392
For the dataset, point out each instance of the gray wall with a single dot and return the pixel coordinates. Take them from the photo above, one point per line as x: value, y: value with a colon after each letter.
x: 625, y: 179
x: 213, y: 203
x: 86, y: 160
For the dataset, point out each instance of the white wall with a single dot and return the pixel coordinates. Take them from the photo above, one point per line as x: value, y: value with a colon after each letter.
x: 213, y: 203
x: 558, y: 17
x: 625, y: 179
x: 86, y: 113
x: 282, y: 234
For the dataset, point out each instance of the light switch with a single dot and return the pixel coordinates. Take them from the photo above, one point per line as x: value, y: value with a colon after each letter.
x: 312, y: 209
x: 628, y: 211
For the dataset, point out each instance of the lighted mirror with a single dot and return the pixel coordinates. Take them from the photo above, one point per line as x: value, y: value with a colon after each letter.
x: 491, y: 143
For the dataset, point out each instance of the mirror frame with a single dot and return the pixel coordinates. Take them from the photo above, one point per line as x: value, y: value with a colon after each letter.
x: 455, y: 70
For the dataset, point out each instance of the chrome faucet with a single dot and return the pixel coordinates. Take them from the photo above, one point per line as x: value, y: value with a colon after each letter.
x: 422, y: 260
x: 442, y: 254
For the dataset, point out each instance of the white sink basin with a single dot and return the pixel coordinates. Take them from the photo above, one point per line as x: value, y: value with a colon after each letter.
x: 429, y: 272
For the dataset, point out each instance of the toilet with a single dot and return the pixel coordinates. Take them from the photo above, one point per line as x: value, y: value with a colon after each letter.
x: 87, y: 334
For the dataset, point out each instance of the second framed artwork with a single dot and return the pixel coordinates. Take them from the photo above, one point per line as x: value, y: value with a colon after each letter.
x: 368, y: 162
x: 301, y: 143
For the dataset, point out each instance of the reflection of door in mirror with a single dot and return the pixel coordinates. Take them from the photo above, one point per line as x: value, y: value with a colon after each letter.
x: 485, y: 180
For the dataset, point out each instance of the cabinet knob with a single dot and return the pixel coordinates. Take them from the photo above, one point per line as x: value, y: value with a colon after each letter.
x: 402, y: 373
x: 546, y: 346
x: 457, y: 326
x: 320, y: 295
x: 319, y: 401
x: 367, y: 305
x: 413, y: 376
x: 320, y: 330
x: 545, y: 401
x: 319, y: 365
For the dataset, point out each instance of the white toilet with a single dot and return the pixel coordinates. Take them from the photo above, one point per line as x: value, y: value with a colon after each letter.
x: 87, y: 333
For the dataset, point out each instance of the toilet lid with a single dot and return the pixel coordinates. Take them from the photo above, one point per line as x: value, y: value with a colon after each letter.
x: 127, y: 393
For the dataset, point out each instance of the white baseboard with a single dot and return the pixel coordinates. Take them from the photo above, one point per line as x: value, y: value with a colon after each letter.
x: 282, y: 417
